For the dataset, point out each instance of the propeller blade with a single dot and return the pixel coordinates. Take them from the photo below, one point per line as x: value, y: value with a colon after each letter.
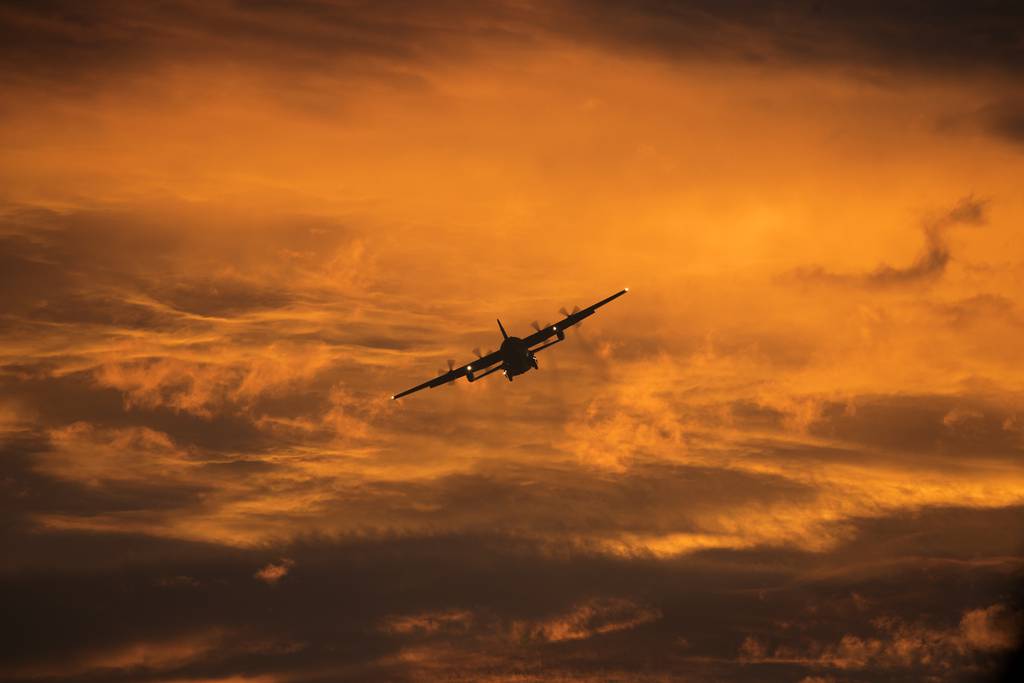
x: 575, y: 310
x: 535, y: 325
x: 451, y: 366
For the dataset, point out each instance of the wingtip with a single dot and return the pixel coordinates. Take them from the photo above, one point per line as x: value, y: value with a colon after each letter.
x: 625, y: 289
x: 392, y: 397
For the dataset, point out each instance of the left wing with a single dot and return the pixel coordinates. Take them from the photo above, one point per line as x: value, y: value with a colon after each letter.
x: 550, y: 331
x: 455, y: 373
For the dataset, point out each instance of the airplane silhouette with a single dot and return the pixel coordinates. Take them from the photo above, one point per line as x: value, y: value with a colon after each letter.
x: 515, y: 356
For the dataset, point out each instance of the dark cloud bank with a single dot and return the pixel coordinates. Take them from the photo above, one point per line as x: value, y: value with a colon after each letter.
x: 57, y: 37
x: 486, y: 604
x: 906, y: 594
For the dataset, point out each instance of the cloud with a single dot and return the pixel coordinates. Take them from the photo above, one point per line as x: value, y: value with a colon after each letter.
x: 429, y: 623
x: 139, y: 657
x: 592, y: 618
x: 930, y: 265
x: 229, y: 231
x: 76, y: 47
x: 579, y: 611
x: 948, y: 38
x: 982, y: 630
x: 302, y: 45
x: 272, y: 573
x: 980, y: 308
x: 969, y: 426
x: 1003, y: 119
x: 990, y: 628
x: 897, y: 644
x: 587, y: 619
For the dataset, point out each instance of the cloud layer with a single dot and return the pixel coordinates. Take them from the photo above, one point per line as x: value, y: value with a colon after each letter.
x: 229, y: 231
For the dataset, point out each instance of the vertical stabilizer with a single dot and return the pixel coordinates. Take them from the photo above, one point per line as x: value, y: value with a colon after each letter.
x: 503, y: 332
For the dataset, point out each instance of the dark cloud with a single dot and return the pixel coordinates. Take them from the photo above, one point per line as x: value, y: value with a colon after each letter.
x: 486, y: 603
x: 516, y: 587
x: 929, y: 265
x: 209, y: 321
x: 58, y: 401
x: 751, y: 415
x: 122, y: 268
x: 962, y: 427
x: 1002, y: 118
x: 943, y: 36
x: 1005, y: 119
x: 69, y: 43
x: 978, y: 308
x: 930, y: 36
x: 559, y: 501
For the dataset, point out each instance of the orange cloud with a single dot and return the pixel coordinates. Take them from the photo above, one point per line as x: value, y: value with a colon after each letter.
x: 273, y: 573
x: 592, y: 618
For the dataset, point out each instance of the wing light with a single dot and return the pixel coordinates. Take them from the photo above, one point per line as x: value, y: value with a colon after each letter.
x: 626, y: 289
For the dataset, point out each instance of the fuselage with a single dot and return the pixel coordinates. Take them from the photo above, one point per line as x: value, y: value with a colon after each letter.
x: 516, y: 357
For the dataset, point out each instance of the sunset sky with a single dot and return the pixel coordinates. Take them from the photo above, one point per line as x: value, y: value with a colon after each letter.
x: 230, y: 230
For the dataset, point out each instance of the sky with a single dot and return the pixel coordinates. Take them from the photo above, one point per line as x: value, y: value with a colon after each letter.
x: 229, y: 231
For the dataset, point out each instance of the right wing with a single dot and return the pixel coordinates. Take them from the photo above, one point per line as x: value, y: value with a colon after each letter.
x: 550, y: 331
x: 455, y: 373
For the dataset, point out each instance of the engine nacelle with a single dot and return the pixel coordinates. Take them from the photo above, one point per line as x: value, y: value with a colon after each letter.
x: 560, y: 334
x: 469, y: 375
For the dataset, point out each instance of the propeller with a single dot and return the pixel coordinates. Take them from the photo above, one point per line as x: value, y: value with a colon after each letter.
x: 476, y: 352
x: 451, y: 364
x: 575, y: 310
x: 535, y: 325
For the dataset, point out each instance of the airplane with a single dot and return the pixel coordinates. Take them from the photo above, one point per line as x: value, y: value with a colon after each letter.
x: 515, y: 356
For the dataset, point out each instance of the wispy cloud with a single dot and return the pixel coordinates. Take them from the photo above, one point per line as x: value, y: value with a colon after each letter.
x: 930, y: 264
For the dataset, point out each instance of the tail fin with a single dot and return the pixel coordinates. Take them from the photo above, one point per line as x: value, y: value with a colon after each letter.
x: 503, y: 332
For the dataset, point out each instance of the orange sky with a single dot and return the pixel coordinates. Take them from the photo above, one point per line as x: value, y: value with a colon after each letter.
x: 229, y: 232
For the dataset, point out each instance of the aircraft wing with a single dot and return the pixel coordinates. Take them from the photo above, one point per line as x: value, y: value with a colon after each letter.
x: 550, y: 331
x: 455, y: 373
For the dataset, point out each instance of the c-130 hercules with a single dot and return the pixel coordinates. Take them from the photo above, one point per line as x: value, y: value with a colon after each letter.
x: 516, y: 355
